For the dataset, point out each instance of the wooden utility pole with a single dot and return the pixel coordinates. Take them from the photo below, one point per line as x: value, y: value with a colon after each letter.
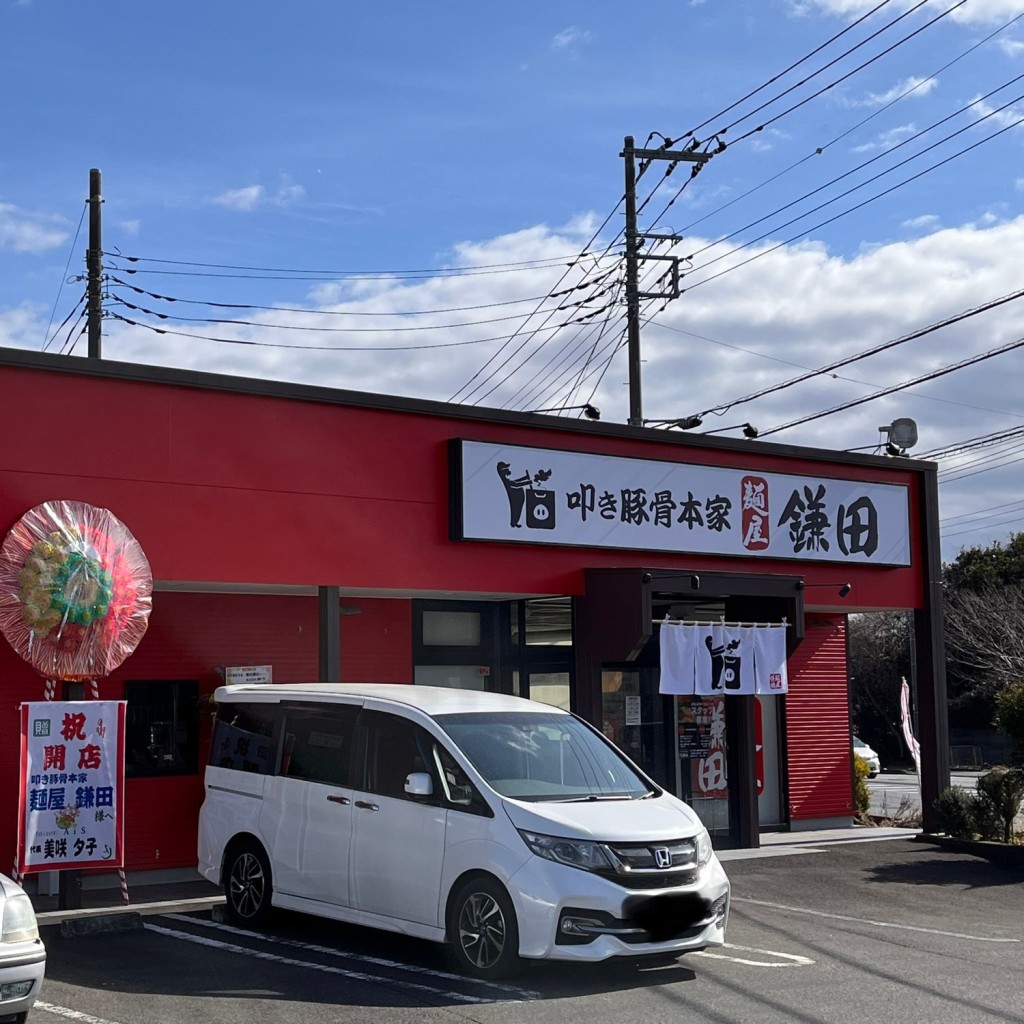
x: 94, y: 268
x: 633, y: 259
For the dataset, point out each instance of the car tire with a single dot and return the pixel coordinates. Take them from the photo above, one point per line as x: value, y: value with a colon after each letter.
x: 247, y: 885
x: 482, y: 930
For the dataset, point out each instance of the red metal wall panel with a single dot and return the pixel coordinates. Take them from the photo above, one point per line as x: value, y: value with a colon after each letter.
x: 243, y: 488
x: 818, y: 723
x: 190, y: 636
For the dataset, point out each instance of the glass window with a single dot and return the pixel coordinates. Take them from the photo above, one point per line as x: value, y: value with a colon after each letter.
x: 318, y: 744
x: 162, y: 727
x: 459, y: 677
x: 537, y: 756
x: 451, y: 629
x: 243, y: 737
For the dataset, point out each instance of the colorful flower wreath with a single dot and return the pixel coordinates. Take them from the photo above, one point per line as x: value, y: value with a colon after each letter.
x: 75, y: 590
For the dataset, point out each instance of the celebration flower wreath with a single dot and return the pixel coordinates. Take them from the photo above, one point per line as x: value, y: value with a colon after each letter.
x: 75, y: 590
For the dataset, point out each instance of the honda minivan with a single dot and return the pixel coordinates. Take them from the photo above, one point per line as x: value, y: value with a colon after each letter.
x: 504, y: 827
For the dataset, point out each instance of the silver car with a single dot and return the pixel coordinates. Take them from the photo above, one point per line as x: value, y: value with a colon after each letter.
x: 22, y: 954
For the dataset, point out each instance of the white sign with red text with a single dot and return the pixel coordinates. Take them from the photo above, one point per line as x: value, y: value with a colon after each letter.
x: 70, y: 801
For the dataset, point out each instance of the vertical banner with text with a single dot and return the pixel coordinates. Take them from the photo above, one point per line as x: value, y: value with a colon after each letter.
x: 71, y: 785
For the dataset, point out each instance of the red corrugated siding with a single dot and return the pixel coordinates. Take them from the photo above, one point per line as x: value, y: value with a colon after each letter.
x: 189, y: 637
x: 818, y: 724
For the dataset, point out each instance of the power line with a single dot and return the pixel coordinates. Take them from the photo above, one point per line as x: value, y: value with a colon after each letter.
x: 47, y: 339
x: 962, y: 364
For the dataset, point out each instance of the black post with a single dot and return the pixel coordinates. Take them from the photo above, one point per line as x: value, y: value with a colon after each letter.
x: 636, y: 412
x: 329, y: 646
x: 94, y: 267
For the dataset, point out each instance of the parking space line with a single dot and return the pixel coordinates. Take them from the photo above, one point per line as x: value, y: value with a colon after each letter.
x: 259, y: 954
x: 69, y: 1014
x: 397, y: 965
x: 788, y: 959
x: 865, y: 920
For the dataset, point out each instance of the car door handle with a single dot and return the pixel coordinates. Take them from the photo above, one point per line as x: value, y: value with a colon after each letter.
x: 367, y: 806
x: 335, y: 799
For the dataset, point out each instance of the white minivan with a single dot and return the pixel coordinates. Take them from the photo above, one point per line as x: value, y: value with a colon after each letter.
x: 504, y: 827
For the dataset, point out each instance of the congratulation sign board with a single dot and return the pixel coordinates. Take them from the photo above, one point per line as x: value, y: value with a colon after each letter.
x: 71, y: 812
x: 545, y: 496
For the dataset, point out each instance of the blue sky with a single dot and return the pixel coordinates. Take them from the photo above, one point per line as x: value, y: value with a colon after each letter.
x: 341, y: 146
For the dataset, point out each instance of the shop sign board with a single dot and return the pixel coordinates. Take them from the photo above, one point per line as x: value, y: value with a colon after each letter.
x: 547, y: 496
x: 71, y: 785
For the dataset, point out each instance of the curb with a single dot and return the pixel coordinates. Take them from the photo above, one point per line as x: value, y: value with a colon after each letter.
x: 1004, y: 854
x: 87, y: 916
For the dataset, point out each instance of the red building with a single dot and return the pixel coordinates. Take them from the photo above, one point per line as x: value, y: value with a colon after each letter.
x: 345, y: 536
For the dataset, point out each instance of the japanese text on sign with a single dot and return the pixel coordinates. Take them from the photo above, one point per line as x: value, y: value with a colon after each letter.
x: 70, y: 807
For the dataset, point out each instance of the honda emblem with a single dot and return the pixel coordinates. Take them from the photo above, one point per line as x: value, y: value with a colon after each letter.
x: 662, y: 857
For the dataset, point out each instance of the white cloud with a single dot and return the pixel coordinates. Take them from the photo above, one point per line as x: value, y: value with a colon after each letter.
x: 1011, y: 47
x: 926, y: 222
x: 1019, y: 184
x: 571, y: 39
x: 978, y: 12
x: 914, y: 87
x: 246, y: 198
x: 253, y: 197
x: 1007, y: 117
x: 130, y: 227
x: 887, y: 139
x: 28, y: 232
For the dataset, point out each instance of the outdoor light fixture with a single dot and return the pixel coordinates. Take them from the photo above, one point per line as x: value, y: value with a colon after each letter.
x: 749, y: 430
x: 902, y: 434
x: 844, y: 588
x: 590, y: 411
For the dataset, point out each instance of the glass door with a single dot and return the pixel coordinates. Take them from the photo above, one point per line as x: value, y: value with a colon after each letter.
x: 701, y: 756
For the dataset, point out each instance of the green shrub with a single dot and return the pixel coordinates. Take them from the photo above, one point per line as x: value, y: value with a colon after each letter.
x: 998, y: 801
x: 861, y: 793
x: 1010, y: 715
x: 955, y: 811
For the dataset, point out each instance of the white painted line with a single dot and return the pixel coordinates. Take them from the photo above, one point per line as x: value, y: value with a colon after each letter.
x: 865, y: 920
x: 396, y: 965
x: 788, y: 959
x: 63, y: 1011
x: 258, y: 954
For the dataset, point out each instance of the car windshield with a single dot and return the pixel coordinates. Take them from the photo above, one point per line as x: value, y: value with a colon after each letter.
x: 543, y: 757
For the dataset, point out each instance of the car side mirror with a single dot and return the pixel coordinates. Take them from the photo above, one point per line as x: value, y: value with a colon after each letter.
x: 419, y: 784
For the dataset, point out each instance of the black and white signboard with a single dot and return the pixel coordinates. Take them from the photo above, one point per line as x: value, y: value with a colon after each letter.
x: 546, y: 496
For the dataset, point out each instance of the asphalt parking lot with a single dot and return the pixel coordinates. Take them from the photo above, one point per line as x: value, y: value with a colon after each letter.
x: 884, y: 931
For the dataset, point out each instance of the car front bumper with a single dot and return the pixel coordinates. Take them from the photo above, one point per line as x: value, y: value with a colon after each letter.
x: 565, y: 913
x: 22, y: 967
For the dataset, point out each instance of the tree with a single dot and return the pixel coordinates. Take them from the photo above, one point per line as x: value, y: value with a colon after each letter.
x: 1010, y: 714
x: 978, y: 569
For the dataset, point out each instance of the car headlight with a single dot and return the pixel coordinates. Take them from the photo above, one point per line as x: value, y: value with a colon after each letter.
x: 703, y: 843
x: 19, y: 920
x: 576, y: 853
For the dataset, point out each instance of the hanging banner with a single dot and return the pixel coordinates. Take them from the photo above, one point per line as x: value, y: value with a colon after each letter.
x: 709, y: 658
x: 71, y: 785
x: 908, y: 729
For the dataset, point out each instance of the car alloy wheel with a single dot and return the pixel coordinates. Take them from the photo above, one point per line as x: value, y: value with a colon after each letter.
x: 486, y: 938
x: 248, y: 886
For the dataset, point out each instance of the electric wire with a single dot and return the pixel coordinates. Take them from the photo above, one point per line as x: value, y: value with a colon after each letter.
x: 47, y: 338
x: 843, y: 78
x: 323, y: 348
x: 429, y: 272
x: 339, y: 312
x: 884, y: 346
x: 74, y: 309
x: 819, y: 150
x: 933, y: 375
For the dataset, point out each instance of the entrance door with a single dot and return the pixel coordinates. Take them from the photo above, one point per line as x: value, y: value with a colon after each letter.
x: 702, y: 754
x: 769, y: 780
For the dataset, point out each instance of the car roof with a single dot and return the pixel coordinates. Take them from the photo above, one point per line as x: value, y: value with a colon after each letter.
x: 431, y: 700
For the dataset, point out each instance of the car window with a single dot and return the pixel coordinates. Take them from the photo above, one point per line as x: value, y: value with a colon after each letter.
x: 392, y: 748
x: 318, y: 745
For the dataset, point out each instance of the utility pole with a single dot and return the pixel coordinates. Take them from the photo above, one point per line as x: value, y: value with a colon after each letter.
x: 94, y: 268
x: 634, y: 238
